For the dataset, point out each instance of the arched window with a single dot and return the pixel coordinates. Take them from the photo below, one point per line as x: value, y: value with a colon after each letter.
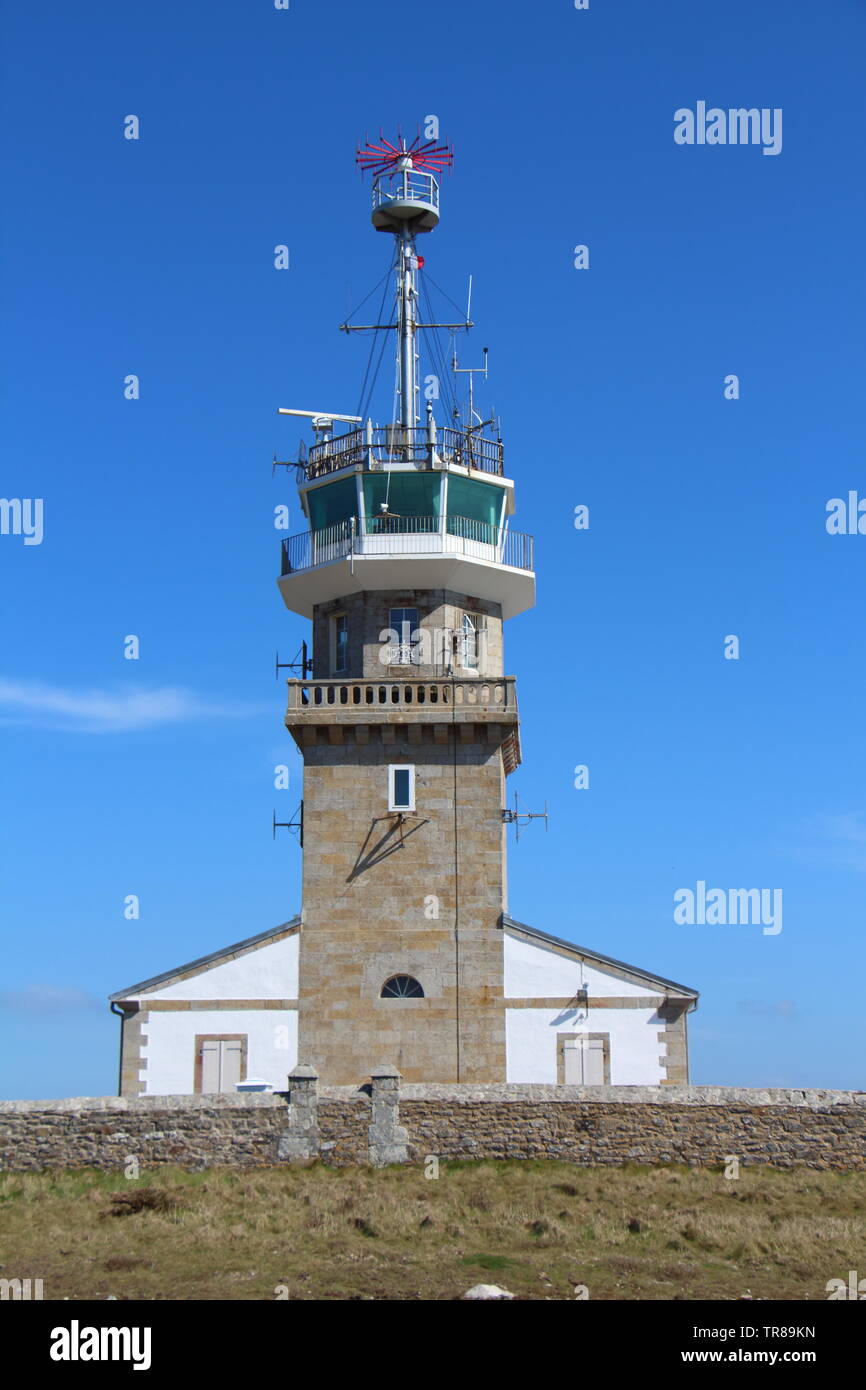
x: 402, y: 987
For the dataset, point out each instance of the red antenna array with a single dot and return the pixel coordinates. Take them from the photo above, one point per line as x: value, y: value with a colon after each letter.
x: 383, y: 158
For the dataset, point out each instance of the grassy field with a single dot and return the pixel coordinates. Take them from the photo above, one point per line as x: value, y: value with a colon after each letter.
x: 538, y: 1229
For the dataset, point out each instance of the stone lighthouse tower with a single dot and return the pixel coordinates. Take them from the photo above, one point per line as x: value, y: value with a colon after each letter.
x: 405, y: 718
x: 405, y: 952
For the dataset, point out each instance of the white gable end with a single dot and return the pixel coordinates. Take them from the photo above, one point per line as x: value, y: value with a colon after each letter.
x: 536, y: 971
x: 268, y: 972
x: 574, y: 1019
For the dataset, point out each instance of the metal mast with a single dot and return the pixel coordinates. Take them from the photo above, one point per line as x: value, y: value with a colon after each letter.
x: 406, y: 301
x: 405, y: 201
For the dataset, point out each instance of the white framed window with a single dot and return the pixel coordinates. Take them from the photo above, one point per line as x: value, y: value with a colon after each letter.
x: 471, y: 636
x: 339, y: 643
x: 403, y: 622
x: 401, y: 787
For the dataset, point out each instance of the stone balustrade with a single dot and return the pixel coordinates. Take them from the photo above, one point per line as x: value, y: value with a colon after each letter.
x: 483, y: 709
x: 440, y: 699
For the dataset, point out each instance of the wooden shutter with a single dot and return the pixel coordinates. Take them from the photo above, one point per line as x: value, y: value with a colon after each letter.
x: 230, y: 1065
x: 210, y: 1067
x: 593, y: 1062
x: 584, y: 1061
x: 573, y: 1055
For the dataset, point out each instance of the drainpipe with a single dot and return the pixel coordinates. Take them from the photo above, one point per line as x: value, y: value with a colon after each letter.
x: 119, y: 1013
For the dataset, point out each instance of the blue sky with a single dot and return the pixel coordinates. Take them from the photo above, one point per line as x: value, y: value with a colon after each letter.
x: 707, y: 515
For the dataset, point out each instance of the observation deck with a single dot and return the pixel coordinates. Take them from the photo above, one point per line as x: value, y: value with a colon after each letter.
x: 405, y: 197
x: 399, y: 552
x: 407, y: 507
x: 419, y: 445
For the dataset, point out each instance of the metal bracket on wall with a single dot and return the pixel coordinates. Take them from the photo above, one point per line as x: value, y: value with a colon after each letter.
x: 302, y: 663
x: 297, y: 824
x: 518, y: 817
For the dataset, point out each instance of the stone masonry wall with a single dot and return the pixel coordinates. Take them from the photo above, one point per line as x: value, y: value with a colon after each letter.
x: 367, y: 887
x: 369, y: 614
x: 586, y: 1125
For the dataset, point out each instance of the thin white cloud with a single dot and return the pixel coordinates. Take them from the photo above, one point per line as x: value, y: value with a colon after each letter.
x: 46, y: 999
x: 104, y: 711
x: 782, y: 1008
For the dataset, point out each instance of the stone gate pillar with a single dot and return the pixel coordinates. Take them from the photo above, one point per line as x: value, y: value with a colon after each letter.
x: 388, y: 1139
x: 301, y: 1139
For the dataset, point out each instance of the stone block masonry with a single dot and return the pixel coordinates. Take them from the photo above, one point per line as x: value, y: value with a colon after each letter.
x: 300, y: 1139
x: 367, y: 885
x: 393, y: 1121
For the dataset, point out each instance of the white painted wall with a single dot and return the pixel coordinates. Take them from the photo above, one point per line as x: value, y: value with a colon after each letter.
x: 169, y: 1046
x: 533, y: 970
x: 635, y: 1051
x: 268, y: 972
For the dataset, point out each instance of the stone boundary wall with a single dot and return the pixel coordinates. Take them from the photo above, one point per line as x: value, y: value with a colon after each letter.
x: 388, y: 1121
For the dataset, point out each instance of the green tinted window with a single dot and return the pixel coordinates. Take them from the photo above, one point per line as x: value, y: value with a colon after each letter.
x: 477, y: 502
x: 332, y: 503
x: 409, y: 494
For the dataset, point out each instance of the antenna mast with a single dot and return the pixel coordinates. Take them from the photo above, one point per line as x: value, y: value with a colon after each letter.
x: 405, y: 202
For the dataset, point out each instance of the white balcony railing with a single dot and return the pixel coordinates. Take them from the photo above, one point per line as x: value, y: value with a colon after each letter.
x: 407, y: 535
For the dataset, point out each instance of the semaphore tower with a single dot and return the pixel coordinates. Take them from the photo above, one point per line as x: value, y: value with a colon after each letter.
x: 405, y: 952
x: 405, y: 718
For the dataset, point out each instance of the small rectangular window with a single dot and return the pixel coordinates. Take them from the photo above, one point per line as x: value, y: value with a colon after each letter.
x: 340, y: 638
x: 471, y: 640
x: 403, y: 622
x: 401, y: 787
